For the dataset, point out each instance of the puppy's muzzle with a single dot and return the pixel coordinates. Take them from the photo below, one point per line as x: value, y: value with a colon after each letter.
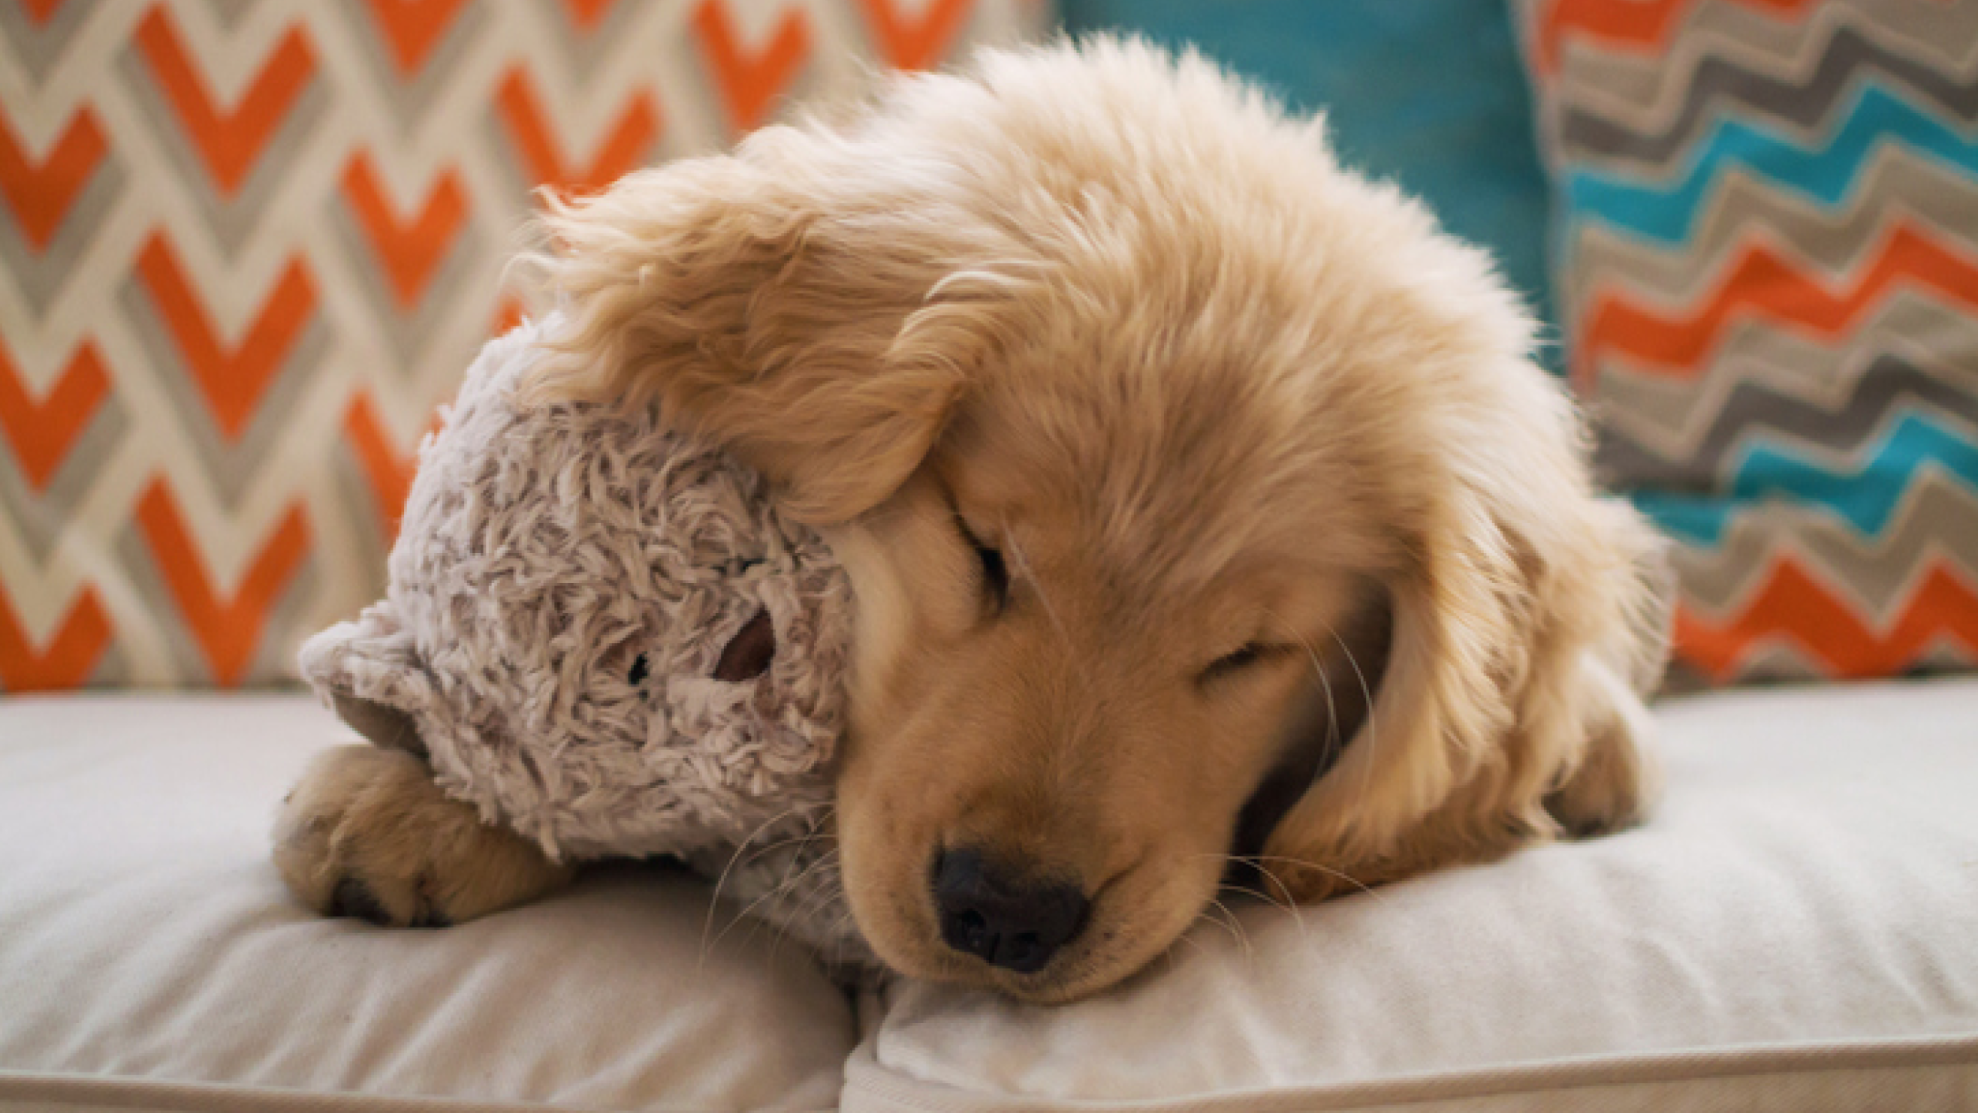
x: 1001, y: 919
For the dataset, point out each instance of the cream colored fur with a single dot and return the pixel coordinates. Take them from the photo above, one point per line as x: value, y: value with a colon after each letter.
x: 1117, y: 317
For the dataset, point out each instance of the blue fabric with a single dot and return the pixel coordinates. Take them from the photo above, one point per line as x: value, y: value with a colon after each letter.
x: 1824, y: 169
x: 1429, y: 93
x: 1865, y: 494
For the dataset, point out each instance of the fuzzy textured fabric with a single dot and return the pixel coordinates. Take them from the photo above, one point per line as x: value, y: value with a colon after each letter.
x: 568, y: 579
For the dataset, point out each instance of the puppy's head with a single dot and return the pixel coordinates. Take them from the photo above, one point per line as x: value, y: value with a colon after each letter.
x: 1196, y: 495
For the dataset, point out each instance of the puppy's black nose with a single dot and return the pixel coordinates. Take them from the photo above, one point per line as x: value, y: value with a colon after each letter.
x: 1001, y: 921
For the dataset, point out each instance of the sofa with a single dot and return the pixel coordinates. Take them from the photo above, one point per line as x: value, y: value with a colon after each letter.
x: 246, y: 249
x: 1796, y: 930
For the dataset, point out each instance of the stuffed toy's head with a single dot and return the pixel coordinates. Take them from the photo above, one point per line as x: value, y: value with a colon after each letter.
x: 601, y: 634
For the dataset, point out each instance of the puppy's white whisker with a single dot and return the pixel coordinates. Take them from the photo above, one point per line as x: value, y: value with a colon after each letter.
x: 807, y: 907
x: 1289, y: 903
x: 1204, y: 917
x: 766, y: 848
x: 782, y: 889
x: 722, y: 879
x: 1305, y: 863
x: 1325, y: 680
x: 1373, y: 717
x: 1288, y: 906
x: 1029, y: 575
x: 1241, y: 936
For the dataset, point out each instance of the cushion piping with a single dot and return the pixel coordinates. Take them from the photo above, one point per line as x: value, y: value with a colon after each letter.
x: 37, y: 1090
x: 887, y: 1089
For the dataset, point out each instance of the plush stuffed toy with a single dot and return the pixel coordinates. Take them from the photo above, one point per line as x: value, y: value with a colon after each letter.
x: 607, y: 639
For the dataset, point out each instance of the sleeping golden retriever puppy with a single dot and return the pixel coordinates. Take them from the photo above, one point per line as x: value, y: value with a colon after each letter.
x: 1200, y: 499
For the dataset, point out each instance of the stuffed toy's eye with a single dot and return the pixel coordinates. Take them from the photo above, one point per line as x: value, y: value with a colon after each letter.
x: 749, y: 652
x: 641, y: 668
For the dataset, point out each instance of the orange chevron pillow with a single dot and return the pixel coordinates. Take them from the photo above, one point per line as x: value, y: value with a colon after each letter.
x: 1767, y: 259
x: 245, y: 250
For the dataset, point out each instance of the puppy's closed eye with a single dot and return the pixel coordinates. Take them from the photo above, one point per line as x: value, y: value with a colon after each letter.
x: 995, y: 570
x: 1241, y: 659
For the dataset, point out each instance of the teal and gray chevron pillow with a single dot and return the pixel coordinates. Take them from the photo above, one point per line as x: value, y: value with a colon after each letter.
x: 1766, y: 256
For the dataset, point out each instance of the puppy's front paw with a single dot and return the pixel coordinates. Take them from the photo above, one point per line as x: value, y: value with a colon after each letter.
x: 1618, y: 778
x: 367, y: 833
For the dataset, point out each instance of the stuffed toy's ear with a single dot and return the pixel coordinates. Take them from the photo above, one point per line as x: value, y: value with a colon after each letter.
x: 369, y: 673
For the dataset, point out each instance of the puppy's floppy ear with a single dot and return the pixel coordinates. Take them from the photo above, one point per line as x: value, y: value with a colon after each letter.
x: 1524, y: 629
x: 807, y: 303
x: 369, y: 673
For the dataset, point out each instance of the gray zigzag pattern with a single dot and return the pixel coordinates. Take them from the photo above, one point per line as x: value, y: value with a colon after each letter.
x: 1937, y: 516
x: 1755, y: 409
x: 1641, y: 89
x: 230, y: 466
x: 1897, y: 183
x: 41, y: 276
x: 410, y: 97
x: 38, y: 48
x: 409, y: 332
x: 273, y: 659
x: 354, y: 491
x: 1665, y: 414
x: 231, y: 220
x: 39, y: 517
x: 1804, y: 105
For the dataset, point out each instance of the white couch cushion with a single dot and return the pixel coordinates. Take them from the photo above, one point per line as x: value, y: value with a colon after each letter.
x: 1797, y: 929
x: 148, y: 950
